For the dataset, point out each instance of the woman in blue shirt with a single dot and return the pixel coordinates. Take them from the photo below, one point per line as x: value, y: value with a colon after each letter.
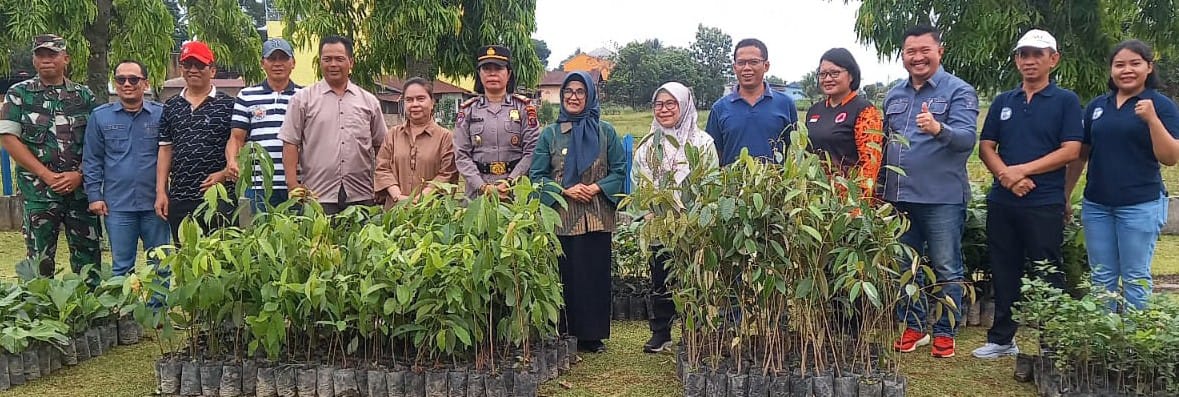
x: 1129, y: 133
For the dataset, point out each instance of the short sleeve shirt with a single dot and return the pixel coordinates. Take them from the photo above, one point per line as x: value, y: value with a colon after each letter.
x: 763, y: 127
x: 1122, y: 167
x: 1028, y: 130
x: 198, y: 138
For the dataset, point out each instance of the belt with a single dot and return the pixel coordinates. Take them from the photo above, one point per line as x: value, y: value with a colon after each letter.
x: 497, y: 168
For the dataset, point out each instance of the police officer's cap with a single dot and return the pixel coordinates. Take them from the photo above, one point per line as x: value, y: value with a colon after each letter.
x: 496, y: 54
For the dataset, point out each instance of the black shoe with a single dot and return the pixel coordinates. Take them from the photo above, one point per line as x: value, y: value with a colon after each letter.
x: 657, y: 343
x: 591, y: 346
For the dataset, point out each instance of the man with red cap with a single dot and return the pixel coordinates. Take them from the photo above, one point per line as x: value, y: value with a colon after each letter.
x: 194, y: 130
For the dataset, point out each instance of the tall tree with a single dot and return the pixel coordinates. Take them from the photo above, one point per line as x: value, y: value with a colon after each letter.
x: 714, y: 63
x: 979, y: 35
x: 1168, y: 69
x: 810, y: 85
x: 419, y: 37
x: 642, y: 66
x: 256, y: 10
x: 874, y: 92
x: 103, y: 32
x: 542, y: 52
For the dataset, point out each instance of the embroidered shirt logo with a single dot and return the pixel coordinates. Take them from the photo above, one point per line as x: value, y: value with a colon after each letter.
x: 1005, y: 114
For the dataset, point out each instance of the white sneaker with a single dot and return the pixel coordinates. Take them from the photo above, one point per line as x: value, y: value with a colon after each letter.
x: 991, y: 350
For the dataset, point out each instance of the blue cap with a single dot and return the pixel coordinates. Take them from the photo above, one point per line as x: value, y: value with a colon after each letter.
x: 272, y: 45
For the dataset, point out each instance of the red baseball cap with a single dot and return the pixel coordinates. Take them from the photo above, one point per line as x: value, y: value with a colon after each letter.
x: 196, y: 50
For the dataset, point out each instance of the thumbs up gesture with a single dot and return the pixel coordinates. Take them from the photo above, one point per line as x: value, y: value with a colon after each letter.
x: 926, y: 122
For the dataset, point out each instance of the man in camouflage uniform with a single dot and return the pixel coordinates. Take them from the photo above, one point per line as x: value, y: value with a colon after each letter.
x: 496, y: 131
x: 42, y: 125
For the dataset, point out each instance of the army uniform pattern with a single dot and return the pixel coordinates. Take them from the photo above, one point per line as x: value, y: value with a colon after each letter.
x: 494, y: 136
x: 53, y: 126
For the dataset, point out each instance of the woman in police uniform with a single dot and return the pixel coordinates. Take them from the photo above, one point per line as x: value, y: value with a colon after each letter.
x: 496, y: 131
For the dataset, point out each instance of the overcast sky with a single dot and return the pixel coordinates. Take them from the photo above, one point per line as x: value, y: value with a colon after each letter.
x: 797, y: 32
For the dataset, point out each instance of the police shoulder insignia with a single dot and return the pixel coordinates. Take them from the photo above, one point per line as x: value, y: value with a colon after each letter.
x: 532, y: 119
x: 468, y: 102
x: 522, y: 98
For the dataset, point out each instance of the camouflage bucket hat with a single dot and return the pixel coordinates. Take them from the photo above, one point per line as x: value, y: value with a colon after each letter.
x: 50, y: 41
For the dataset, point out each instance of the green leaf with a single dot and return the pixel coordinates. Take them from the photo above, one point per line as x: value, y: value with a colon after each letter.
x: 811, y: 231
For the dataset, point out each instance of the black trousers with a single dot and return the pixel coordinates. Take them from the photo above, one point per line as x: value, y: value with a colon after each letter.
x: 342, y: 203
x: 336, y: 208
x: 662, y: 307
x: 585, y: 274
x: 1017, y: 238
x: 180, y: 209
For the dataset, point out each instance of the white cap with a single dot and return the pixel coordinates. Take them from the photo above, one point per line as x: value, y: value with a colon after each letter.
x: 1036, y: 38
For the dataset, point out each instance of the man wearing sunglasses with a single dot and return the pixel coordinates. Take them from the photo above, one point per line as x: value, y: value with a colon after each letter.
x: 119, y: 165
x: 193, y: 133
x: 42, y: 124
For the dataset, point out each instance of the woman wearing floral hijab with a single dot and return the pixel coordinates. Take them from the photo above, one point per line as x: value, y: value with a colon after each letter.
x: 581, y: 158
x: 661, y: 162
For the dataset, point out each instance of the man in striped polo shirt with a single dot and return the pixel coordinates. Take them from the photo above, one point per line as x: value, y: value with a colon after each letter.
x: 258, y: 114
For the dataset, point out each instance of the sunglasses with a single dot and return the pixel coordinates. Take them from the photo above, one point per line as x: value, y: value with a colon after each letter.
x: 193, y: 65
x: 134, y: 80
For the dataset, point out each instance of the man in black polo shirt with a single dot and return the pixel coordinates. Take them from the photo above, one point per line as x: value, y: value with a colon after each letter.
x: 1030, y: 134
x: 194, y: 129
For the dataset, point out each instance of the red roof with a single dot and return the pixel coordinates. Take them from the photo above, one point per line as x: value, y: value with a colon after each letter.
x: 440, y: 87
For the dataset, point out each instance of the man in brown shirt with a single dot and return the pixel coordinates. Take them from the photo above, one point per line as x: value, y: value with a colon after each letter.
x: 417, y: 152
x: 331, y: 133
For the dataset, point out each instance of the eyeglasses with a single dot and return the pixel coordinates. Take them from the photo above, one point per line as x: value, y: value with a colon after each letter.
x: 830, y: 73
x: 749, y: 62
x: 669, y: 105
x: 189, y: 65
x: 134, y: 80
x: 578, y: 93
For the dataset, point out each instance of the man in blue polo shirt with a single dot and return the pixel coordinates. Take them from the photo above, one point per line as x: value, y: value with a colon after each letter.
x: 753, y: 117
x: 119, y: 167
x: 936, y: 113
x: 1030, y: 134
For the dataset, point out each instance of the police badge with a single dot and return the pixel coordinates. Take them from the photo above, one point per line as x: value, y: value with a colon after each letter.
x: 514, y: 115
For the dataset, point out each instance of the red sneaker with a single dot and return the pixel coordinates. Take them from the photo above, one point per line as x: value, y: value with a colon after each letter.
x: 911, y: 340
x: 943, y: 347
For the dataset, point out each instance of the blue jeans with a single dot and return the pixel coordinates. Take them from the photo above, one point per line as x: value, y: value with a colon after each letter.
x: 936, y: 233
x: 1120, y: 241
x: 125, y: 229
x: 258, y: 198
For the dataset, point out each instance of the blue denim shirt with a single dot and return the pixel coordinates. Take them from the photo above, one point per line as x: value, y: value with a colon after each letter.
x: 119, y: 159
x: 934, y: 166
